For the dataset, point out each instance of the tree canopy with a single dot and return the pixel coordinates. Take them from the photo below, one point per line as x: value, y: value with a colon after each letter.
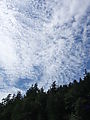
x: 67, y: 102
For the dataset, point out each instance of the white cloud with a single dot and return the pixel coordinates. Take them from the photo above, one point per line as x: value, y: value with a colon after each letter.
x: 39, y: 42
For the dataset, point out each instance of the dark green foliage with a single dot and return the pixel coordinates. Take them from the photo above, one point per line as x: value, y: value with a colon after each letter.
x: 68, y: 102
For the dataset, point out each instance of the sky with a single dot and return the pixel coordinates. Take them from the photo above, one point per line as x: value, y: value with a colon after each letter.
x: 43, y: 41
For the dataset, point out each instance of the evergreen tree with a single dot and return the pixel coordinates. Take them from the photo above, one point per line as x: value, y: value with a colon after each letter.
x: 67, y: 102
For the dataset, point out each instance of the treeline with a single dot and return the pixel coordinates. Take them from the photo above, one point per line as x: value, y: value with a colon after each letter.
x: 67, y: 102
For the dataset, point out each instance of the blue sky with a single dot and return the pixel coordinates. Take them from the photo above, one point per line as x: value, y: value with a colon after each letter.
x: 43, y: 41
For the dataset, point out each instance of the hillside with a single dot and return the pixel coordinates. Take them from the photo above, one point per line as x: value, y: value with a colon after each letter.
x: 67, y: 102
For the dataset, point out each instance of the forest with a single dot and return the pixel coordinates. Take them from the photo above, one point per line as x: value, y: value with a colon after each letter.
x: 67, y: 102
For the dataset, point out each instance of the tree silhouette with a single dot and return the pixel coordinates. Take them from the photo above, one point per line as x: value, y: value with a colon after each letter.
x: 67, y: 102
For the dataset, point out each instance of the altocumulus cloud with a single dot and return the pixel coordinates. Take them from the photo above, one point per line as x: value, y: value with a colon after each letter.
x: 42, y: 41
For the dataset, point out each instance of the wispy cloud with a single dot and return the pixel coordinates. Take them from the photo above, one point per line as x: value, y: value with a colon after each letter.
x: 42, y: 41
